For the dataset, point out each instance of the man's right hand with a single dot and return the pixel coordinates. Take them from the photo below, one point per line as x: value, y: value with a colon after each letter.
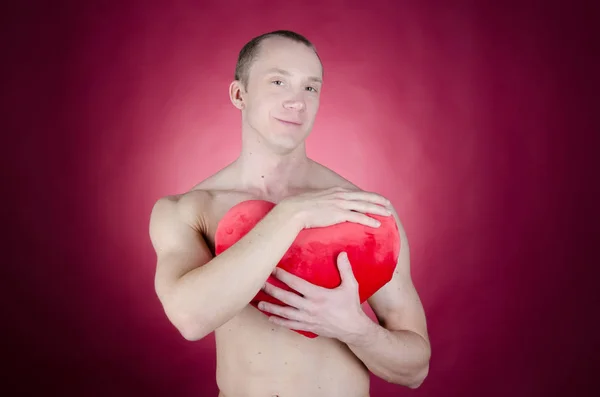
x: 336, y: 205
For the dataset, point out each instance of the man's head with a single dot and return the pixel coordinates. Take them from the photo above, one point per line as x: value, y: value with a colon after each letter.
x: 277, y: 86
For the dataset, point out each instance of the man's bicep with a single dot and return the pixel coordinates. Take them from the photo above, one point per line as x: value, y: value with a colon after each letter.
x: 179, y: 245
x: 397, y: 304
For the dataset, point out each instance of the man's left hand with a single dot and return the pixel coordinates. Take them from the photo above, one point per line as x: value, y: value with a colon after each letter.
x: 333, y: 313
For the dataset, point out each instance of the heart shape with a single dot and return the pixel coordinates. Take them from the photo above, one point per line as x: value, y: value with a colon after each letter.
x: 372, y: 252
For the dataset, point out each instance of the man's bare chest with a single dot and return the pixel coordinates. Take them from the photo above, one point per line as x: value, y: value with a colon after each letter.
x: 224, y: 201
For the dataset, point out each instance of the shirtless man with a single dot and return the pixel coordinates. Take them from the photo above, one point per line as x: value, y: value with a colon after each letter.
x: 277, y: 88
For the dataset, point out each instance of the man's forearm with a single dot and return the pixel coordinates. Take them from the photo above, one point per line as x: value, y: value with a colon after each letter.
x: 400, y: 357
x: 211, y: 295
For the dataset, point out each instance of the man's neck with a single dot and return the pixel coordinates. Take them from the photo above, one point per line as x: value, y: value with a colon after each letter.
x: 270, y: 174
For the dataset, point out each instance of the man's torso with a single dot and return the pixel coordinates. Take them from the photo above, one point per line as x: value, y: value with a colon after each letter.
x: 258, y: 358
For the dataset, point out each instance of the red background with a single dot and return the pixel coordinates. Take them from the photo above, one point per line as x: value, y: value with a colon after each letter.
x: 474, y: 119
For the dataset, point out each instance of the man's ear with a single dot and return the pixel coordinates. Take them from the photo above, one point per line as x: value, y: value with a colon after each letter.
x: 236, y: 94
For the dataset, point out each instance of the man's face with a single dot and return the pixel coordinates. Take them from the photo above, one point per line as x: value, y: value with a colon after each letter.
x: 283, y: 91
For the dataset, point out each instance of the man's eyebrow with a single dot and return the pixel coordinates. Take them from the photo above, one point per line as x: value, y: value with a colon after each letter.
x: 286, y: 73
x: 280, y: 71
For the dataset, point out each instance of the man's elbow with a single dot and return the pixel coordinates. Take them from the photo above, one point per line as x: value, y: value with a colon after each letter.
x: 414, y: 378
x: 420, y: 374
x: 192, y: 334
x: 190, y: 327
x: 419, y: 378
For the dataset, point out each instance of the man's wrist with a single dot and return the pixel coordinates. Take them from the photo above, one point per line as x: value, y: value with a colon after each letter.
x: 292, y: 218
x: 364, y: 333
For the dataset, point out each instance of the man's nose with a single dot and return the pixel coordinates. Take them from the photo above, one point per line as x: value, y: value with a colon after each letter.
x: 295, y: 103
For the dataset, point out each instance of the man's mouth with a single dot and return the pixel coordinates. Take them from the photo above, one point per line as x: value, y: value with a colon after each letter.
x: 290, y: 122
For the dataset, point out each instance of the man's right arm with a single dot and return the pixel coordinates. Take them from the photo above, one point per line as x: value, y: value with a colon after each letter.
x: 200, y: 292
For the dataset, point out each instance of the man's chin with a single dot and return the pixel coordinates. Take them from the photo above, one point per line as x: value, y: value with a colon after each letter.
x: 286, y: 144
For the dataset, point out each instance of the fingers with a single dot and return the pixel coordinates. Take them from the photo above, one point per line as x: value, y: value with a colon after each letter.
x: 356, y: 212
x: 290, y: 324
x: 346, y: 271
x: 283, y: 311
x: 365, y: 202
x: 295, y: 282
x: 366, y: 220
x: 287, y: 297
x: 363, y: 196
x: 365, y: 207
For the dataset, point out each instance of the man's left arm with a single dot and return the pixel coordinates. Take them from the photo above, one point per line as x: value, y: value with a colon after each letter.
x: 397, y: 349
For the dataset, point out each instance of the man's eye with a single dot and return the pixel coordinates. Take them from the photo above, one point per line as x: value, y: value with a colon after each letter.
x: 311, y: 88
x: 277, y: 82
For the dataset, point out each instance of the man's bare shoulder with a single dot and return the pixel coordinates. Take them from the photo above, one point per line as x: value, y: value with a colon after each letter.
x: 327, y: 178
x: 198, y: 199
x: 203, y: 205
x: 186, y: 207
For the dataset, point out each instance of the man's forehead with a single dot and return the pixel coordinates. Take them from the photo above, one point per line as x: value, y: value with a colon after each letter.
x: 281, y: 44
x: 287, y: 55
x: 308, y: 70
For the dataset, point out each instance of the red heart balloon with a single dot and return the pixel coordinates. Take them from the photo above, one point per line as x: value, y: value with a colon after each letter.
x: 373, y: 252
